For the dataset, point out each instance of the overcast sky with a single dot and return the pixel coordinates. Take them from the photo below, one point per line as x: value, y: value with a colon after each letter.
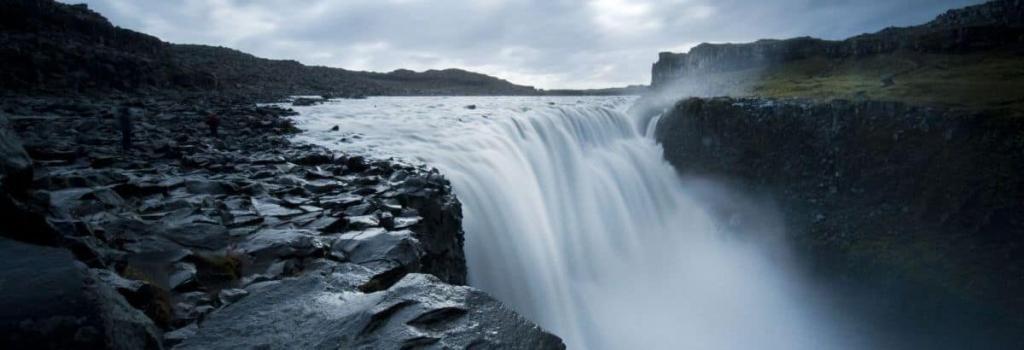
x: 544, y: 43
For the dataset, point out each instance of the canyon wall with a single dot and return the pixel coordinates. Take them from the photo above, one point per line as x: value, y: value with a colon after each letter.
x: 881, y: 195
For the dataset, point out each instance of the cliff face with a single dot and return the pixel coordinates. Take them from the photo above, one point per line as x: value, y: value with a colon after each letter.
x: 992, y: 25
x: 48, y: 47
x: 875, y: 191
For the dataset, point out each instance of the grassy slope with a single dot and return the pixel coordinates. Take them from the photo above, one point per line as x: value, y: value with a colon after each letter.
x: 978, y: 81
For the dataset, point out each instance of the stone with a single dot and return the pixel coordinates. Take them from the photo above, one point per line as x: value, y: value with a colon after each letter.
x: 15, y: 164
x: 57, y: 302
x: 323, y: 310
x: 362, y: 222
x: 282, y: 243
x: 199, y: 186
x: 179, y: 335
x: 182, y: 276
x: 198, y: 235
x: 228, y: 296
x: 267, y: 208
x: 377, y: 244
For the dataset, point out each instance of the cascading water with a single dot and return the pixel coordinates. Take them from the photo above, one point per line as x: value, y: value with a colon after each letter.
x: 573, y: 218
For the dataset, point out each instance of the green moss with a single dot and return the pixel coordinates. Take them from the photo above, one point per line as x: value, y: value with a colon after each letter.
x: 988, y: 81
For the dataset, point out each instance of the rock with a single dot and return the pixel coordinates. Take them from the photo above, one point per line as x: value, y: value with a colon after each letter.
x: 406, y: 222
x: 283, y: 243
x: 377, y: 244
x: 182, y: 275
x: 267, y: 208
x: 470, y: 107
x: 15, y: 163
x: 324, y: 311
x: 179, y: 335
x: 362, y: 222
x: 57, y: 303
x: 106, y: 196
x: 198, y: 186
x: 305, y: 101
x: 198, y: 235
x: 228, y: 296
x: 335, y: 128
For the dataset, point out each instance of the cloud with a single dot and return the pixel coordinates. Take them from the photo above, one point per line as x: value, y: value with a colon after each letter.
x: 545, y: 43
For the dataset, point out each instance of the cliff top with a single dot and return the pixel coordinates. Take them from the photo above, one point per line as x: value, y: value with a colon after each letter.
x: 966, y: 58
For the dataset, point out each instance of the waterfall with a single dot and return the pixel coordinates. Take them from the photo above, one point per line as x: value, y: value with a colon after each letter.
x: 573, y: 219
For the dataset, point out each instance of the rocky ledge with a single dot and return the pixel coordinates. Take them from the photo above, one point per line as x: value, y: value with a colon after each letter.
x: 239, y: 241
x: 878, y: 195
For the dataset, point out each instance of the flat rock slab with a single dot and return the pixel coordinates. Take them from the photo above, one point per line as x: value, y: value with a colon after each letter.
x: 325, y: 311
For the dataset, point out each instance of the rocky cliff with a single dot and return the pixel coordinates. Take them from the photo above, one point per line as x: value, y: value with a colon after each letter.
x: 241, y: 239
x: 129, y: 224
x: 907, y: 202
x: 49, y: 47
x: 990, y: 26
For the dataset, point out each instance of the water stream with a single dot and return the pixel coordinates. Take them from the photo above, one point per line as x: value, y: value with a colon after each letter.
x: 573, y: 218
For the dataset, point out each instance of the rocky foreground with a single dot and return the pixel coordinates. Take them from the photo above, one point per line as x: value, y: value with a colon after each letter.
x: 240, y: 241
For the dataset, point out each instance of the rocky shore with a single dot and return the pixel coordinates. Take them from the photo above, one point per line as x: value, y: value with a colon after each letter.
x: 245, y: 240
x: 917, y: 207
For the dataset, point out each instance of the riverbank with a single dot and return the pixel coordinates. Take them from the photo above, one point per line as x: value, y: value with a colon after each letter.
x: 244, y: 239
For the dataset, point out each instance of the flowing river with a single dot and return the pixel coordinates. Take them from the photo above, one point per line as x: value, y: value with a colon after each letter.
x: 573, y: 219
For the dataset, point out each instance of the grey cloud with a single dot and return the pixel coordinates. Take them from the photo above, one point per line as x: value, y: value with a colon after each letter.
x: 546, y: 43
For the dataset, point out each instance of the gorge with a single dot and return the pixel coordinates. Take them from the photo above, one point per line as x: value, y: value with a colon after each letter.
x: 780, y: 194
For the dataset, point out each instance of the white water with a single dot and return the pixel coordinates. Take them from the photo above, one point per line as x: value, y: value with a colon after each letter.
x: 573, y: 218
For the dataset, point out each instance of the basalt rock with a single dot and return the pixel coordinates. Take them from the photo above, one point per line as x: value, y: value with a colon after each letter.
x: 190, y: 235
x: 58, y: 303
x: 325, y: 310
x: 877, y: 192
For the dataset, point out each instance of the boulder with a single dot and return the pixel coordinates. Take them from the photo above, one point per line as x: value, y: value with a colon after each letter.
x: 48, y: 300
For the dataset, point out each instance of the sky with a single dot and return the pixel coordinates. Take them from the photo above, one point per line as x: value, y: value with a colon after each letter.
x: 543, y: 43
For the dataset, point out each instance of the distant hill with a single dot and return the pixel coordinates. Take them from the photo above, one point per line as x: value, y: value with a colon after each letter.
x: 971, y: 57
x: 49, y: 47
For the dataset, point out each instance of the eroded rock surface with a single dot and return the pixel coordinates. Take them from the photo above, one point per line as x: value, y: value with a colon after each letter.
x: 204, y: 237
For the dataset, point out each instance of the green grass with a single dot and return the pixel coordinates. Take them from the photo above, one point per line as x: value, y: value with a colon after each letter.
x: 989, y: 81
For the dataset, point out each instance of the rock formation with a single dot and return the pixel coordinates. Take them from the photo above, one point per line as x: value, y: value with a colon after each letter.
x: 915, y: 204
x: 191, y: 239
x: 977, y: 28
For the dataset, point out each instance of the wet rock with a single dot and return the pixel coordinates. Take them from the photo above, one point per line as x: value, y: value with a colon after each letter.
x: 283, y: 243
x: 268, y: 208
x: 323, y: 310
x: 362, y: 222
x: 182, y: 276
x: 179, y: 335
x: 106, y: 196
x: 377, y: 245
x: 198, y: 235
x: 197, y: 186
x: 305, y: 101
x: 228, y: 296
x: 58, y: 303
x: 15, y: 163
